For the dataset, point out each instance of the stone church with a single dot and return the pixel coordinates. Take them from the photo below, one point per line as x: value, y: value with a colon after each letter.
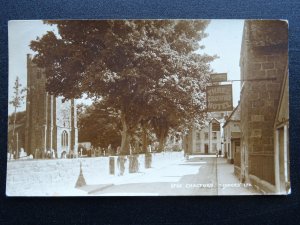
x: 51, y: 124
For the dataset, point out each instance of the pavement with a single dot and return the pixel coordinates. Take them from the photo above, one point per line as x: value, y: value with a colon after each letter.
x: 198, y: 175
x: 228, y: 183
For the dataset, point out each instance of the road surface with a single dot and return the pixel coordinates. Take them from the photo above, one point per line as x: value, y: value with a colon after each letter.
x: 196, y: 176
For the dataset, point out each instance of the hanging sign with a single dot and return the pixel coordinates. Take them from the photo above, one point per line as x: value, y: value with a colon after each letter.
x: 219, y: 98
x: 218, y: 77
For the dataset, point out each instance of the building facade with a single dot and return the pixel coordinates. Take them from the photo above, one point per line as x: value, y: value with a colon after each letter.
x: 281, y: 135
x: 232, y: 134
x: 208, y: 140
x: 51, y: 122
x: 263, y: 62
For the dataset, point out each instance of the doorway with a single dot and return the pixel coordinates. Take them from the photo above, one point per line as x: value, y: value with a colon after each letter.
x: 283, y: 147
x: 206, y: 148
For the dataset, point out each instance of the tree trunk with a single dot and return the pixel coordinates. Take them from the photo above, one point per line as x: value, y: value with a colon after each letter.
x: 161, y: 129
x: 162, y: 140
x: 188, y: 141
x: 144, y: 140
x: 185, y: 143
x: 125, y: 137
x: 13, y: 134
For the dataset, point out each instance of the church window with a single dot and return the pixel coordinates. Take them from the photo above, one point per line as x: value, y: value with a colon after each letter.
x: 64, y: 139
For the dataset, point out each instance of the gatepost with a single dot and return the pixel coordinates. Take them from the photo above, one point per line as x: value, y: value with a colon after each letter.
x: 111, y: 165
x: 133, y: 164
x: 148, y: 160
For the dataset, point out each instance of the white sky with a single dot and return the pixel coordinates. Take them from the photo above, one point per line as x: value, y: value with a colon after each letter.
x: 224, y: 40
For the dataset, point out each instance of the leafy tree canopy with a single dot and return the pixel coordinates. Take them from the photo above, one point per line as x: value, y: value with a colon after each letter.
x: 142, y: 68
x: 98, y: 125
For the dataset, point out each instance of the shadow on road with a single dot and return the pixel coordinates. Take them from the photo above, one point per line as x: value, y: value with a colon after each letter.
x: 201, y: 183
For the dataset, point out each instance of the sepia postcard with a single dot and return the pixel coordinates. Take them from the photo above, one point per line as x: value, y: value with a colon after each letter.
x: 148, y: 108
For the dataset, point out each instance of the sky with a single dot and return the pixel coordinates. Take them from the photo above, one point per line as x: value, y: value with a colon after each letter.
x: 20, y: 34
x: 224, y: 39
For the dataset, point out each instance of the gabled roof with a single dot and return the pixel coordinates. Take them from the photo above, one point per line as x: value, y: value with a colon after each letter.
x: 214, y: 120
x: 230, y: 118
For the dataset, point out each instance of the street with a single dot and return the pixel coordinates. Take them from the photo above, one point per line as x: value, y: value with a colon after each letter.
x: 199, y: 175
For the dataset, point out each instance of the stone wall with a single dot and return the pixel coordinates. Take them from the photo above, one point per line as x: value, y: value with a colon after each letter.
x: 39, y: 177
x: 47, y: 177
x: 264, y: 65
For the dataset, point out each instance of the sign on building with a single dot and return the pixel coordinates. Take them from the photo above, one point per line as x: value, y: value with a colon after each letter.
x: 218, y: 77
x: 219, y: 98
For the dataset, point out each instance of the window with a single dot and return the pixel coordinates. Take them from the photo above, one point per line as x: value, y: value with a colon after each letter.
x: 236, y: 125
x: 214, y: 135
x: 64, y: 139
x: 206, y: 136
x: 215, y: 127
x: 214, y: 147
x: 198, y: 136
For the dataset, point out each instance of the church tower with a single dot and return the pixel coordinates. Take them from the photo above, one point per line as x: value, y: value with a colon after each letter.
x: 50, y: 122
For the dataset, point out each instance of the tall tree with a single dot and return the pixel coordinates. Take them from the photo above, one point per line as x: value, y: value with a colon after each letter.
x: 16, y: 102
x: 99, y: 125
x: 140, y: 67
